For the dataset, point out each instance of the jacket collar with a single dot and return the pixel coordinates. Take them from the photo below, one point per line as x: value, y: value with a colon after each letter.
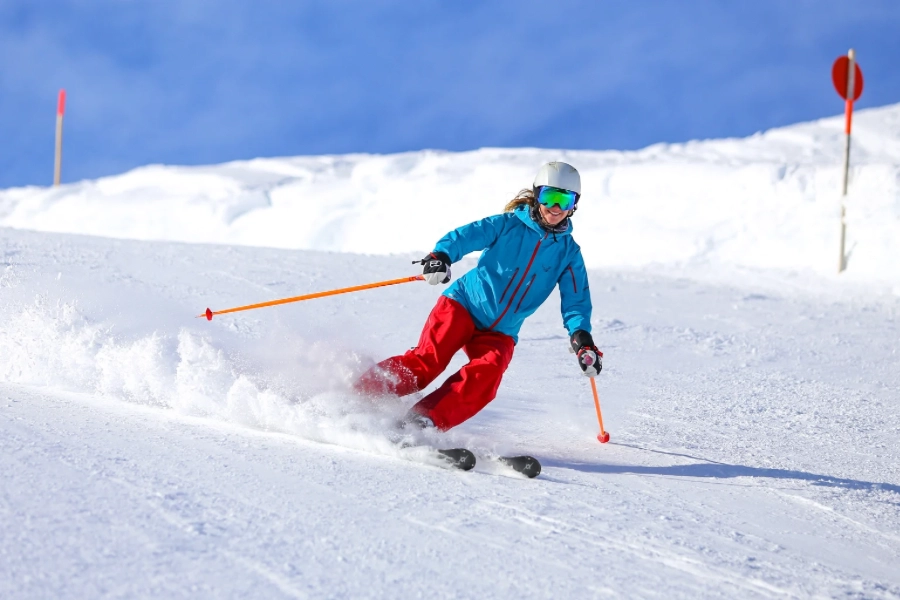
x: 524, y: 213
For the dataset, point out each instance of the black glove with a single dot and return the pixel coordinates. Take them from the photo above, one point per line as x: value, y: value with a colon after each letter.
x: 590, y: 359
x: 437, y: 268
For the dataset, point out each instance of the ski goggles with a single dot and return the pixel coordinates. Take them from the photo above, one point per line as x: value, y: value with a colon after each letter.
x: 551, y: 196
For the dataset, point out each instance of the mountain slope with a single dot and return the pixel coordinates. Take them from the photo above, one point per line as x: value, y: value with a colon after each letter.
x: 767, y: 201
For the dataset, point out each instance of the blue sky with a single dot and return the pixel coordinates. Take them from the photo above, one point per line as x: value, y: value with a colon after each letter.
x: 198, y: 82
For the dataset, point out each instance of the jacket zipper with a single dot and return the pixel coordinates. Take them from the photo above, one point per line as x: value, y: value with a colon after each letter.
x: 525, y: 293
x: 511, y: 279
x: 574, y: 285
x: 515, y: 291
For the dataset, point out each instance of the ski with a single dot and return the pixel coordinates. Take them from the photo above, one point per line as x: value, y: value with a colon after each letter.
x: 458, y: 458
x: 528, y: 466
x: 464, y: 460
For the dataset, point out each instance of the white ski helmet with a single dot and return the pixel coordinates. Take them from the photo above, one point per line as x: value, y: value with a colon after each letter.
x: 559, y: 175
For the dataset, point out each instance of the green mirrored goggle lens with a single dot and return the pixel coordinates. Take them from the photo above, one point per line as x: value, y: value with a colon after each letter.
x: 551, y: 196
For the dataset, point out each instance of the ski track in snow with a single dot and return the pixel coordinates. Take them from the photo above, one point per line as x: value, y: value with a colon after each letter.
x: 147, y: 453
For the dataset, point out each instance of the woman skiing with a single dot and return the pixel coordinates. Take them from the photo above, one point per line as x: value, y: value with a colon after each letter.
x: 527, y: 251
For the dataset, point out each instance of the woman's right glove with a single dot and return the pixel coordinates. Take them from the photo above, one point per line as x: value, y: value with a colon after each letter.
x: 437, y: 268
x: 590, y: 359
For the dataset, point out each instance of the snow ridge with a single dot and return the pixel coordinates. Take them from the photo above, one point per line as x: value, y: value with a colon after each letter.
x: 767, y: 201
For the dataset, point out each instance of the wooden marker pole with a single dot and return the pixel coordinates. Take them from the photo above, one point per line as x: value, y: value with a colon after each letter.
x: 60, y: 110
x: 848, y: 81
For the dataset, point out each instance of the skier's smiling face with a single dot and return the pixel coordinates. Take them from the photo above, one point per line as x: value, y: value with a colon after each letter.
x: 553, y: 215
x: 555, y: 203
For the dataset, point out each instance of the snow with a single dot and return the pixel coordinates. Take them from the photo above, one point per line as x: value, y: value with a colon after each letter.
x: 768, y: 201
x: 751, y: 393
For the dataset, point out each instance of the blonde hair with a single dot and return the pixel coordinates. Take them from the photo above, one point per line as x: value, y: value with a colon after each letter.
x: 525, y: 196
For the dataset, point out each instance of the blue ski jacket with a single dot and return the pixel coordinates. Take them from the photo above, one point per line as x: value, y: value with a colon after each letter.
x: 520, y: 265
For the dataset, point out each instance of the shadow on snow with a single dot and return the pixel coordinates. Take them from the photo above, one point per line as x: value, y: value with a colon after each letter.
x: 717, y: 470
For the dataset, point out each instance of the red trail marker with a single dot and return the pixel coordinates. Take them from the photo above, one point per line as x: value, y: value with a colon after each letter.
x: 848, y: 81
x: 60, y: 111
x: 839, y: 71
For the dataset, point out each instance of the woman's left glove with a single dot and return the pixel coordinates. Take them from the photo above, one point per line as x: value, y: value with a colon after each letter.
x: 437, y: 268
x: 590, y: 359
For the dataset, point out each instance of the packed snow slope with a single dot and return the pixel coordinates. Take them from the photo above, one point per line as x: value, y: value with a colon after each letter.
x: 145, y: 453
x: 751, y: 394
x: 770, y: 200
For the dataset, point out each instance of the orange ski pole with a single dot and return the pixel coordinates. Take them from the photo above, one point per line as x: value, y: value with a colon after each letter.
x: 356, y: 288
x: 604, y: 436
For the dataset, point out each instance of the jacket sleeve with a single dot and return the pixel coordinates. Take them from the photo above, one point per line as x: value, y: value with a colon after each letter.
x: 575, y: 295
x: 472, y: 237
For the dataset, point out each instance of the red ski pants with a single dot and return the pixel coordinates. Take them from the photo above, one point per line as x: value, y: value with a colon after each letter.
x: 448, y: 329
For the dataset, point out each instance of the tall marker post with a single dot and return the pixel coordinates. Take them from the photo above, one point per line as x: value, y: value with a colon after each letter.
x: 60, y: 110
x: 848, y: 81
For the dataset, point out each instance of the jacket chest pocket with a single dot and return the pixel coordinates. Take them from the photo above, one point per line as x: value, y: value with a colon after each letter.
x: 509, y: 283
x: 525, y: 293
